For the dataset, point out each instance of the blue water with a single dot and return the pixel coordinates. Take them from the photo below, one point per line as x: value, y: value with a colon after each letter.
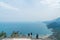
x: 35, y: 28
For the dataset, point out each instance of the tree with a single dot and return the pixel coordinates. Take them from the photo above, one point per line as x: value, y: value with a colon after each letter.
x: 3, y: 35
x: 15, y: 34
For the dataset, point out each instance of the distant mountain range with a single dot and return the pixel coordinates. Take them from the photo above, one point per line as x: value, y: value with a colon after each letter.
x: 54, y: 20
x: 55, y: 24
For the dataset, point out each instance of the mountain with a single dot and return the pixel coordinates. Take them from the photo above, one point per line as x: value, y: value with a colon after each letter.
x: 55, y: 25
x: 50, y: 21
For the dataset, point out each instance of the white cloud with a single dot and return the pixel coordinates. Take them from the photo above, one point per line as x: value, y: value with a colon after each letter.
x: 7, y: 6
x: 30, y: 11
x: 51, y: 3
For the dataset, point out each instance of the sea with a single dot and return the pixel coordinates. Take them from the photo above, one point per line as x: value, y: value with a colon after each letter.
x: 25, y: 28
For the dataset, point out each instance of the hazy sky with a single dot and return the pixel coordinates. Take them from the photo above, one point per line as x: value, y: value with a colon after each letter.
x: 29, y: 10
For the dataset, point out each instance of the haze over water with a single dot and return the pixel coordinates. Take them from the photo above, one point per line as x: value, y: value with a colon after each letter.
x: 25, y: 28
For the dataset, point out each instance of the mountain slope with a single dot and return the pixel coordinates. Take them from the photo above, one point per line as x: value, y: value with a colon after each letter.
x: 55, y: 25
